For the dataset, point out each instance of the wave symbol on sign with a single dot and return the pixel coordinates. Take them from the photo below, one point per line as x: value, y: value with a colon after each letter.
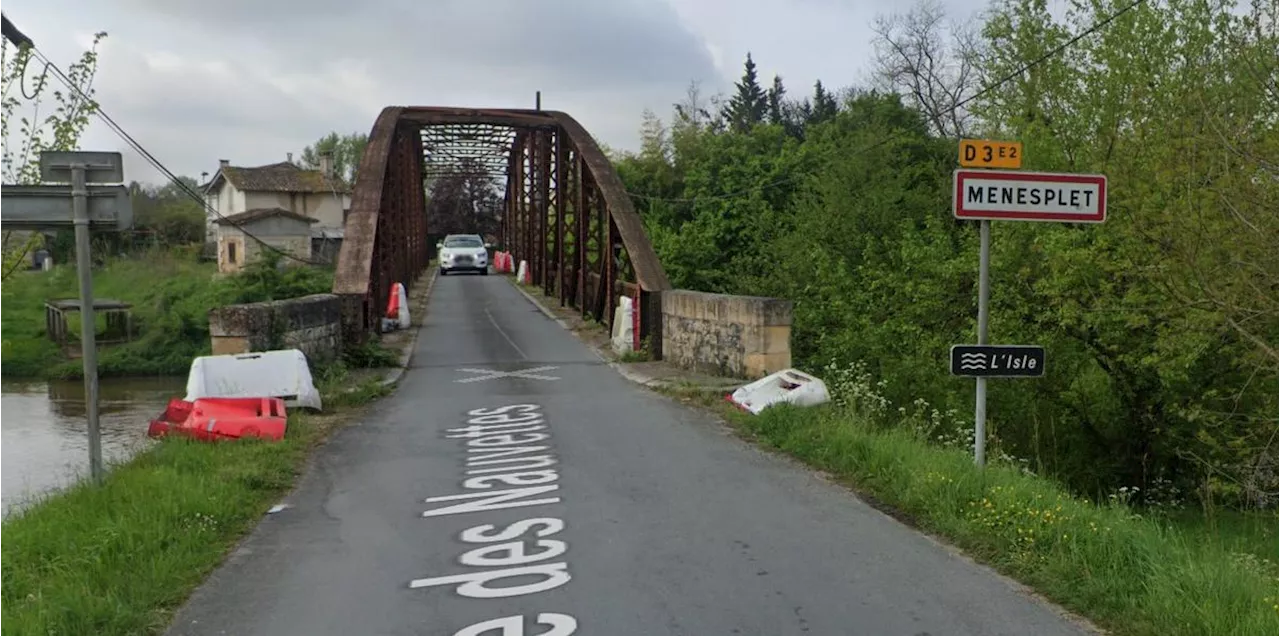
x: 973, y: 361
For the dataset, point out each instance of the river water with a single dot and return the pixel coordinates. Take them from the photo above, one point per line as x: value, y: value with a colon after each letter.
x: 44, y: 442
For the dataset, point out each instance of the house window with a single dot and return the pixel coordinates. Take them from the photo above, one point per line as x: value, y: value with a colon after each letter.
x: 231, y: 252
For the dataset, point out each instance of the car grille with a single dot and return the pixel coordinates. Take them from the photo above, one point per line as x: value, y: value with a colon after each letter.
x: 462, y: 259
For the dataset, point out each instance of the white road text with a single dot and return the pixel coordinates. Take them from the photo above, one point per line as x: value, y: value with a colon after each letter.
x: 505, y: 468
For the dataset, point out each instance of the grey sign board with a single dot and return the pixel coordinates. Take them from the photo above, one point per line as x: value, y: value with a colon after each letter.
x: 100, y: 167
x: 42, y: 207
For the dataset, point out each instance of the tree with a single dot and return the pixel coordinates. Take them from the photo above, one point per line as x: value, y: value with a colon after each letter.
x: 914, y: 58
x: 467, y: 201
x: 692, y: 112
x: 777, y: 114
x: 824, y: 107
x: 59, y: 130
x: 749, y: 105
x: 347, y: 151
x: 169, y: 212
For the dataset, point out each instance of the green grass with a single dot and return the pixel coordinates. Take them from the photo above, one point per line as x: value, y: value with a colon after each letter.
x: 28, y: 352
x: 121, y: 558
x: 1129, y: 574
x: 1232, y: 530
x: 171, y: 293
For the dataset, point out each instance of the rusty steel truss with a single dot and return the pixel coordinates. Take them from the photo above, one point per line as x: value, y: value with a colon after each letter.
x: 565, y: 212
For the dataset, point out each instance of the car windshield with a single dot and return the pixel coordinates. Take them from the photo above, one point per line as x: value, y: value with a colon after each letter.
x: 463, y: 241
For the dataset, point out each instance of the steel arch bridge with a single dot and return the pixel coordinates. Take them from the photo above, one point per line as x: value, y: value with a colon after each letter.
x: 565, y: 211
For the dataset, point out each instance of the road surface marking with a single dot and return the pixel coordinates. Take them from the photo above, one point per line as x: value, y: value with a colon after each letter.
x: 521, y: 550
x: 561, y: 625
x: 489, y: 374
x: 504, y: 334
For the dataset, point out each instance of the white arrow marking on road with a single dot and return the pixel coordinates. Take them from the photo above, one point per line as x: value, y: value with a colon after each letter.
x: 528, y: 374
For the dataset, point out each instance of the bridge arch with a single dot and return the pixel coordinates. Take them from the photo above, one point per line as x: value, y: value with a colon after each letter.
x: 565, y: 211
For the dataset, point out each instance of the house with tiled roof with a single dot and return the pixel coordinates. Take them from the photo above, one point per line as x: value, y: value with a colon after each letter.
x: 316, y: 194
x: 272, y: 229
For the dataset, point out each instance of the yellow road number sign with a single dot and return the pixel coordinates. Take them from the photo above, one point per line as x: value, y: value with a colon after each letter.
x: 981, y: 153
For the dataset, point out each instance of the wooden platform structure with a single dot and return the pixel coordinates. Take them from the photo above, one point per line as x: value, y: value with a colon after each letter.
x: 118, y: 315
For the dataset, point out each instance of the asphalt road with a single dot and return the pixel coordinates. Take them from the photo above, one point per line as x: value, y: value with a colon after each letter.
x: 573, y: 495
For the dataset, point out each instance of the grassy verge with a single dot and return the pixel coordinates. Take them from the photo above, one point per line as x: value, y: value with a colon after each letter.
x: 121, y: 558
x: 1169, y: 573
x: 171, y: 293
x: 1130, y: 574
x: 1236, y: 531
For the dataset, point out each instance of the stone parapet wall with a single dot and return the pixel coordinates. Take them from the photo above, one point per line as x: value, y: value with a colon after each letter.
x: 311, y: 324
x: 734, y: 336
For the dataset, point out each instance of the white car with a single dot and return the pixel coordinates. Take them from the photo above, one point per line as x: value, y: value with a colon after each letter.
x: 463, y: 252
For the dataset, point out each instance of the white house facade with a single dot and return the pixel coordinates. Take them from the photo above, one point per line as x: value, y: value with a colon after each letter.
x: 316, y: 194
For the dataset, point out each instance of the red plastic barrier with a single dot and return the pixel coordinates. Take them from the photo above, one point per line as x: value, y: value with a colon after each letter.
x: 393, y: 303
x: 174, y: 414
x: 231, y: 418
x: 213, y: 419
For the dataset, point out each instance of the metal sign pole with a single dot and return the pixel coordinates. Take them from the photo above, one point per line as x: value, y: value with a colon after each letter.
x: 88, y: 325
x: 984, y: 292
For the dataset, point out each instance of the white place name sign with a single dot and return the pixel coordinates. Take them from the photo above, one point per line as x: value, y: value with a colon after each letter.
x: 1030, y: 196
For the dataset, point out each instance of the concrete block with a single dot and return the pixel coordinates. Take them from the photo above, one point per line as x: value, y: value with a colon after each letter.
x: 312, y: 324
x: 730, y: 335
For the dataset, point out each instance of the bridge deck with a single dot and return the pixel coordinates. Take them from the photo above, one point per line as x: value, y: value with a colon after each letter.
x: 670, y: 525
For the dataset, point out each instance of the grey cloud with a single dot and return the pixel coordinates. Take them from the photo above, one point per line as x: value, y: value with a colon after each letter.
x: 602, y: 61
x: 188, y: 119
x: 248, y: 14
x: 608, y: 44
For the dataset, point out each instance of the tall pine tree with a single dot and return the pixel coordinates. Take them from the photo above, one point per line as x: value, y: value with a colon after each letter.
x: 824, y: 104
x: 749, y: 106
x: 776, y: 114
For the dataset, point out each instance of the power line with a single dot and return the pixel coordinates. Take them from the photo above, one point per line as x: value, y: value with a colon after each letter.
x: 138, y: 148
x: 894, y: 136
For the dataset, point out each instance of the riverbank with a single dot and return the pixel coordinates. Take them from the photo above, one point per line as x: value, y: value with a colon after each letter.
x: 45, y: 447
x: 171, y: 292
x: 1155, y: 574
x: 120, y: 558
x: 72, y: 562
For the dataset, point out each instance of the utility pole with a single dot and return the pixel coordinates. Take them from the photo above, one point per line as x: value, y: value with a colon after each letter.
x: 88, y: 326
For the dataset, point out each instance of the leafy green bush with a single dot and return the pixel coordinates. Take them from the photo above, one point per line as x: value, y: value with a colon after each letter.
x: 1160, y: 324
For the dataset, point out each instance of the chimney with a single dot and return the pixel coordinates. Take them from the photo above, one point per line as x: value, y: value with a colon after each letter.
x: 326, y: 164
x: 223, y: 163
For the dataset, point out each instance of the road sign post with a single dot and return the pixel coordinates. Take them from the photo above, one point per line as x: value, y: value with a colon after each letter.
x: 985, y: 195
x: 36, y: 207
x: 984, y: 295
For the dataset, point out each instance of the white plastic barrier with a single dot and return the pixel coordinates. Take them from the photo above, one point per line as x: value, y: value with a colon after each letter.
x: 282, y: 374
x: 523, y: 274
x: 789, y: 386
x: 623, y: 326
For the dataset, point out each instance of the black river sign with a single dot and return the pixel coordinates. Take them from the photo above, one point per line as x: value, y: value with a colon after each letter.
x: 997, y: 361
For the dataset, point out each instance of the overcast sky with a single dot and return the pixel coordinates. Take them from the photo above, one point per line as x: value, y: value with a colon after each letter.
x: 196, y: 81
